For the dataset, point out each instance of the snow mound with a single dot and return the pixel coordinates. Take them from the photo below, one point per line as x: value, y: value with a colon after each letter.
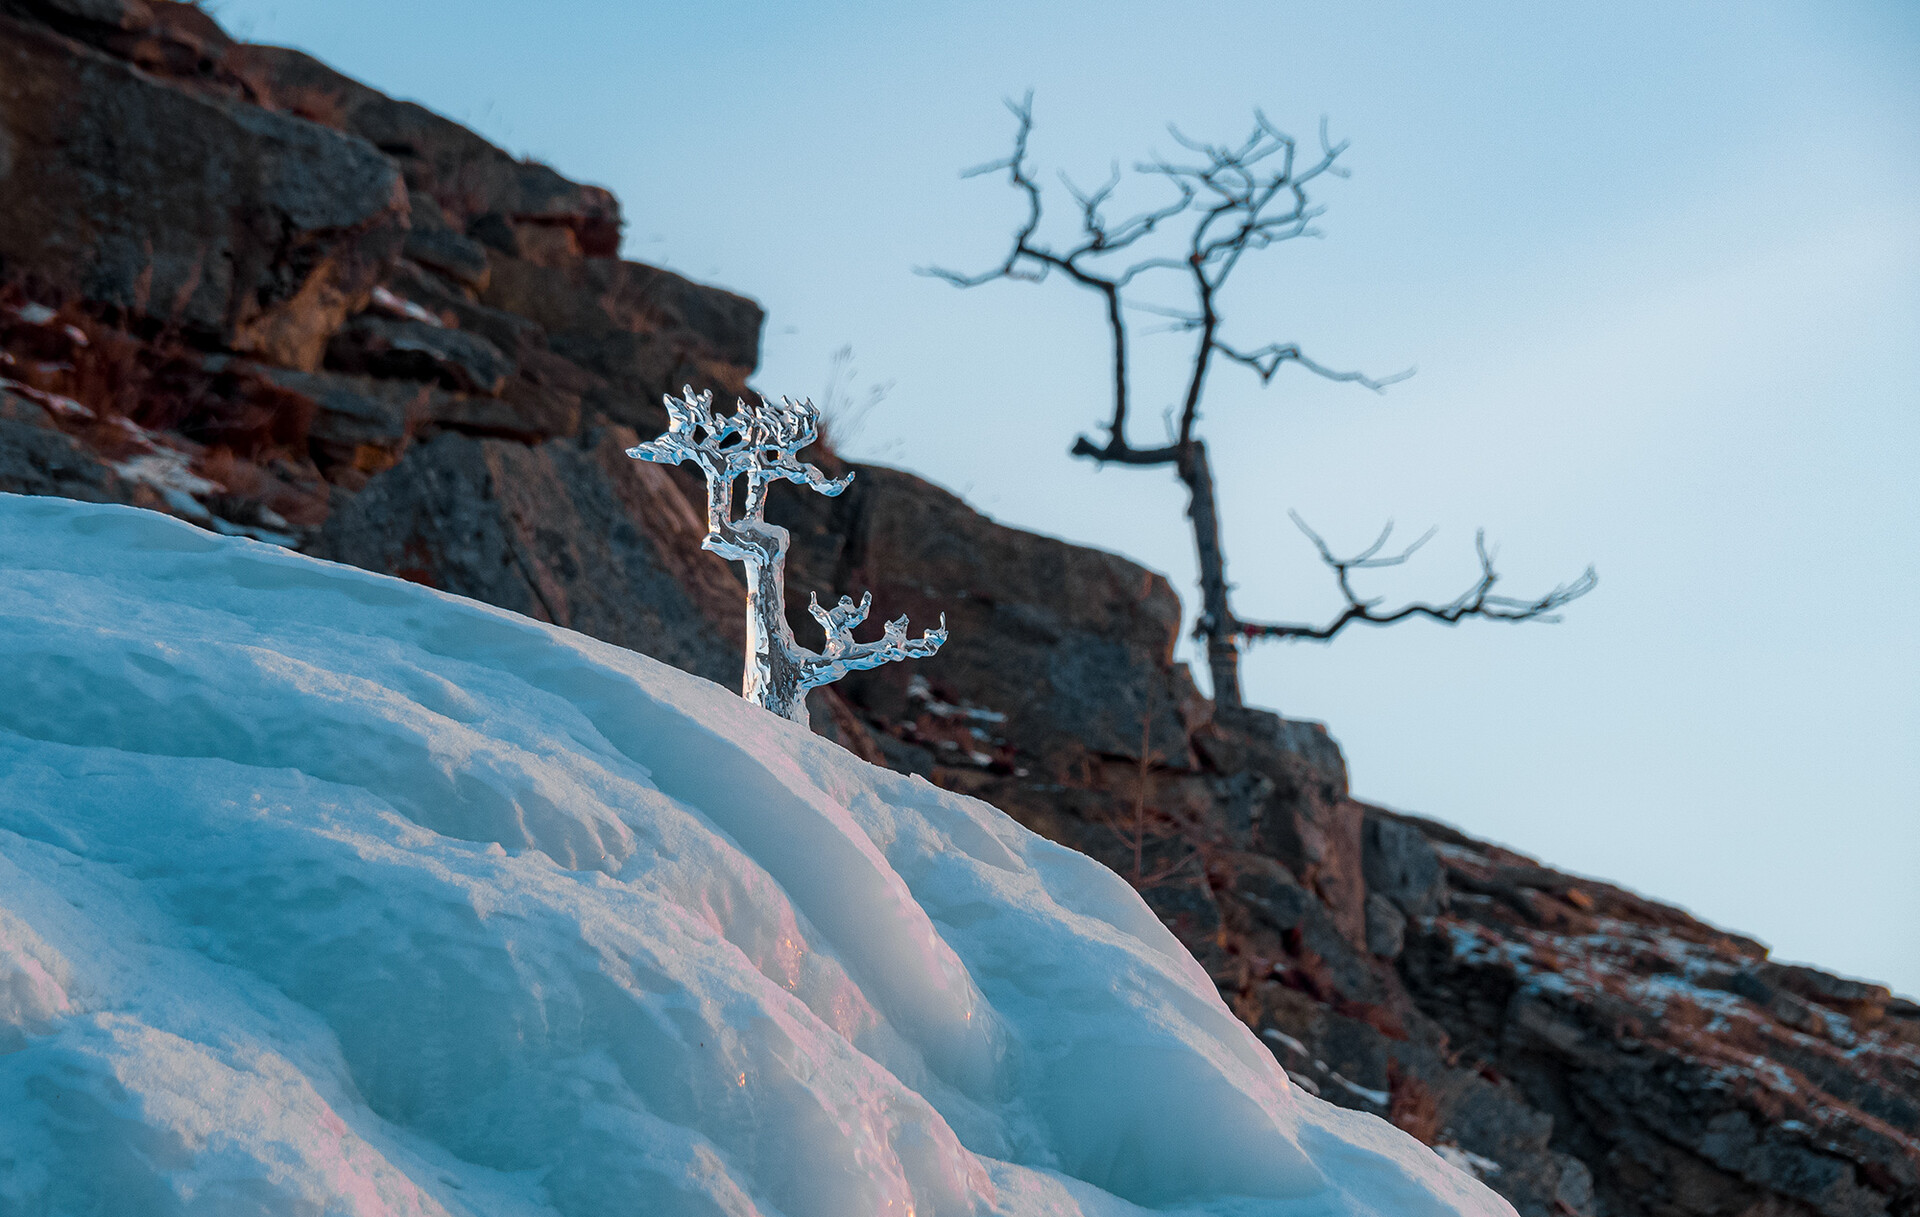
x: 323, y: 893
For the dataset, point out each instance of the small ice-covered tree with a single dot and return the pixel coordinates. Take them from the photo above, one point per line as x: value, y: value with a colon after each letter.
x: 760, y: 443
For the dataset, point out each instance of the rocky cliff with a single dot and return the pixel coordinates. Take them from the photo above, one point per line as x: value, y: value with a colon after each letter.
x: 241, y: 288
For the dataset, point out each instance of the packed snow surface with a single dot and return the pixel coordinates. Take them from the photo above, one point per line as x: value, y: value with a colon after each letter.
x: 323, y: 893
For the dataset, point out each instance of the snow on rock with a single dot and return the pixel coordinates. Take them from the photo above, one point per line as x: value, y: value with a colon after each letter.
x: 324, y: 893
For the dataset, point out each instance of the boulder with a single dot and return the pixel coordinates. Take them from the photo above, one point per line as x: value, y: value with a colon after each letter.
x: 262, y: 231
x: 1386, y: 927
x: 1854, y: 998
x: 602, y: 296
x: 358, y: 422
x: 417, y: 350
x: 1308, y: 741
x: 1300, y: 815
x: 496, y: 232
x: 36, y: 457
x: 1269, y: 889
x: 524, y: 411
x: 513, y: 334
x: 434, y: 243
x: 1400, y: 865
x: 458, y: 258
x: 365, y: 424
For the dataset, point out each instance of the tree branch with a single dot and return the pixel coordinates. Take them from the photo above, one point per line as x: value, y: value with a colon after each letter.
x: 1266, y: 360
x: 1477, y: 600
x: 843, y: 655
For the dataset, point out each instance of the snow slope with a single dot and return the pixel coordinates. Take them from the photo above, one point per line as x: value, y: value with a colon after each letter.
x: 323, y: 893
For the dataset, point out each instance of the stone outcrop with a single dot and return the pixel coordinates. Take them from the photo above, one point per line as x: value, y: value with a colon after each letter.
x: 242, y: 288
x: 567, y: 531
x: 259, y: 231
x: 1678, y: 1058
x: 476, y: 185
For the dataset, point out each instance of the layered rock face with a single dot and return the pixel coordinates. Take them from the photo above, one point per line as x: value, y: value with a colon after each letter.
x: 260, y: 231
x: 241, y: 288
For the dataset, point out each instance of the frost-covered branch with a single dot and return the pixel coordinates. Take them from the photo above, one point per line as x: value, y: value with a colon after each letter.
x: 1476, y: 601
x: 843, y: 655
x: 761, y: 443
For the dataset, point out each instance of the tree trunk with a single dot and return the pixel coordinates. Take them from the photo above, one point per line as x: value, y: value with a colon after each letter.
x: 773, y: 671
x: 1223, y: 651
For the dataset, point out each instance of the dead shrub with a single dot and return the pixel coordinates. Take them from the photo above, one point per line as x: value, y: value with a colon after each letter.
x: 1411, y: 1105
x: 156, y: 379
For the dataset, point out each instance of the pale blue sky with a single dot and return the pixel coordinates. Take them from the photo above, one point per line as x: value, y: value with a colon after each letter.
x: 1658, y: 265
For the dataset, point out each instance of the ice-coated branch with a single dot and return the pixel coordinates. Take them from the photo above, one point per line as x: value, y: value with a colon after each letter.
x: 1477, y: 600
x: 843, y: 655
x: 761, y: 443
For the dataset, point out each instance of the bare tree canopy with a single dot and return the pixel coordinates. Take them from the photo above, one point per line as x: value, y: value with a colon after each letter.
x: 1221, y: 202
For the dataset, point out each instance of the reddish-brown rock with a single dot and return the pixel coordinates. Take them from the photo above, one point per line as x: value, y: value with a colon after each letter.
x: 566, y: 531
x: 1688, y: 1070
x: 259, y: 230
x: 469, y: 177
x: 642, y: 331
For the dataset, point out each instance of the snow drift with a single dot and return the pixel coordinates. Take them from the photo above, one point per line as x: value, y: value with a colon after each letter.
x: 321, y: 892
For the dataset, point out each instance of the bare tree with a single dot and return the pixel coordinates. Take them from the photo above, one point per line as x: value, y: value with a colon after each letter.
x: 759, y: 443
x: 1229, y: 201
